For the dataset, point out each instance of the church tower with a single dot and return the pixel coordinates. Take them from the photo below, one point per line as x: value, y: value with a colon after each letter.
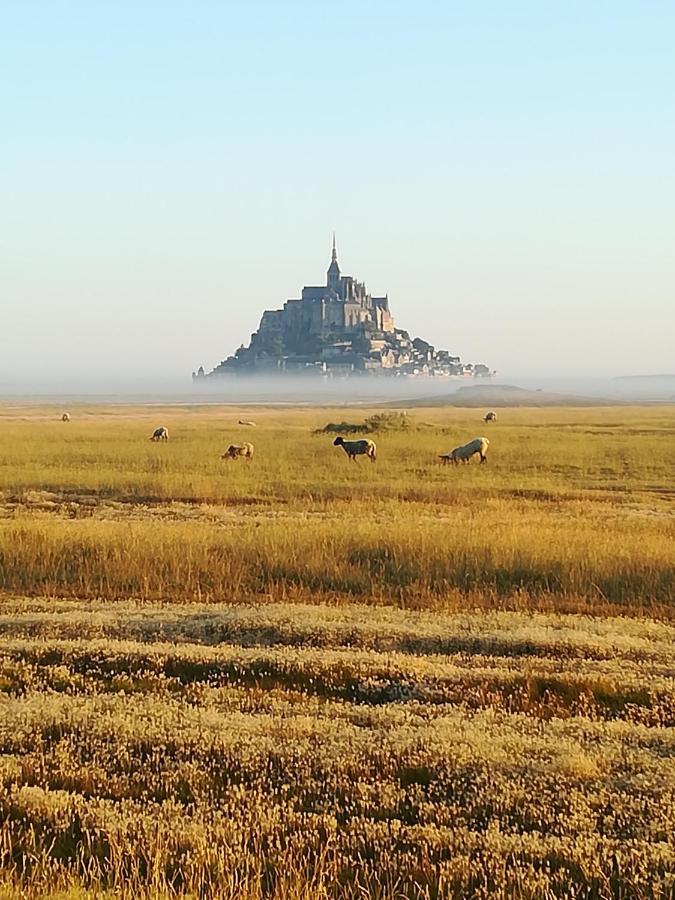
x: 333, y: 280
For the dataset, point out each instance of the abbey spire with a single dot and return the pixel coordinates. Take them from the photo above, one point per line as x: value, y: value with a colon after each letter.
x: 333, y: 280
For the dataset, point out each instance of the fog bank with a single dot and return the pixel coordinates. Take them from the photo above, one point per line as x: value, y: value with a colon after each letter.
x: 309, y: 390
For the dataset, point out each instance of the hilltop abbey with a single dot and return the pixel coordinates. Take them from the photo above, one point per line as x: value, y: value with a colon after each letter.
x: 338, y: 328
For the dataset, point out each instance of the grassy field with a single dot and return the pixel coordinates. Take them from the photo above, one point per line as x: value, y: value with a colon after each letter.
x: 304, y: 678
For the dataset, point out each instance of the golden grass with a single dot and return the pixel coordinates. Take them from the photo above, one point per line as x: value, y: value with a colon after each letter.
x: 577, y: 512
x: 300, y: 751
x: 301, y: 678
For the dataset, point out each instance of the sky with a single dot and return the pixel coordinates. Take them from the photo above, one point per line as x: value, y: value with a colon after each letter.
x: 503, y: 170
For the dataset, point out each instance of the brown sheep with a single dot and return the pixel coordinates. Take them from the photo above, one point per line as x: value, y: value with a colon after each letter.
x: 237, y: 451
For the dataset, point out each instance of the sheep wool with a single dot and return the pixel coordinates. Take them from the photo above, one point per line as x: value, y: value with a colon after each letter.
x: 464, y: 453
x: 364, y: 447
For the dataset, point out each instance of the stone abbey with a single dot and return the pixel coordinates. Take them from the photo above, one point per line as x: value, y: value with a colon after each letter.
x: 338, y: 328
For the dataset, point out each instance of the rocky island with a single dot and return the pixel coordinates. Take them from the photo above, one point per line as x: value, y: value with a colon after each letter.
x: 338, y: 329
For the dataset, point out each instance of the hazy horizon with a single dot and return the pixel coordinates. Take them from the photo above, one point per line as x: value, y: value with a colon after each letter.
x: 170, y: 171
x: 332, y: 392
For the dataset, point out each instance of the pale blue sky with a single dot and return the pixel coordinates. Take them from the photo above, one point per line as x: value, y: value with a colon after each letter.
x: 504, y: 170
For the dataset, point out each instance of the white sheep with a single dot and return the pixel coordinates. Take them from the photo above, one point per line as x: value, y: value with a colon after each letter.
x: 160, y: 434
x: 65, y: 417
x: 235, y: 451
x: 490, y: 417
x: 357, y: 448
x: 466, y: 451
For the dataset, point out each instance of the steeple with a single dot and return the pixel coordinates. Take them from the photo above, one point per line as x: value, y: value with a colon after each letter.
x: 333, y: 280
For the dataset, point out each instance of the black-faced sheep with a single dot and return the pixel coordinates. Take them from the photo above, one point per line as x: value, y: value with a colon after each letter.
x: 364, y: 447
x: 466, y: 451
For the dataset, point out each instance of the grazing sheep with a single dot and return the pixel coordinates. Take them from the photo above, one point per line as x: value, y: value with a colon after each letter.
x: 234, y: 451
x: 244, y: 422
x: 357, y: 448
x: 65, y: 417
x: 490, y: 417
x: 466, y: 451
x: 160, y: 434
